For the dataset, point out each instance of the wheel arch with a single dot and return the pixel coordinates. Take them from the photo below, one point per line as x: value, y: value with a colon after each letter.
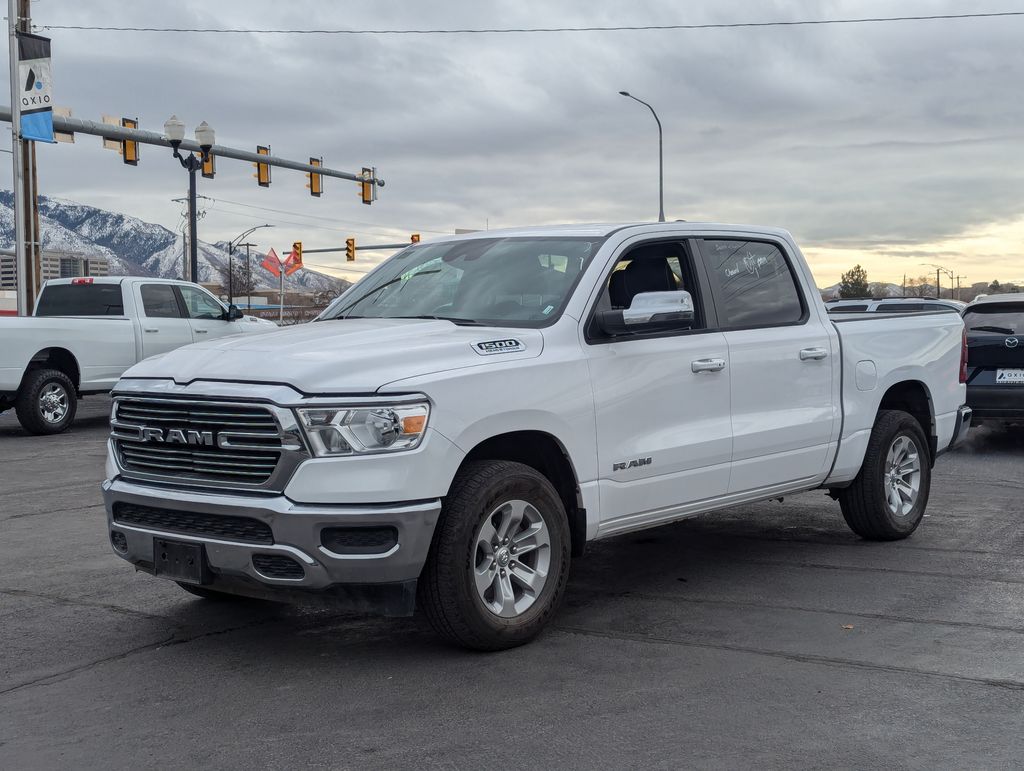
x: 914, y: 398
x: 57, y: 358
x: 545, y: 453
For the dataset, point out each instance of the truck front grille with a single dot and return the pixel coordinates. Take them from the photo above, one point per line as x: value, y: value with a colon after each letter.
x: 193, y: 523
x: 227, y: 445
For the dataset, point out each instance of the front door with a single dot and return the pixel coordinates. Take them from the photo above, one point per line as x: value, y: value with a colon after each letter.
x: 662, y: 400
x: 206, y: 315
x: 164, y: 327
x: 784, y: 412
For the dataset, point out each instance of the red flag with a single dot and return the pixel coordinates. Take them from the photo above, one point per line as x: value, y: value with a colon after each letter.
x: 292, y: 263
x: 273, y: 263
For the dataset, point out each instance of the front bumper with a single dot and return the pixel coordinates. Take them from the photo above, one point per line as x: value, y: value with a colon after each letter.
x: 383, y: 582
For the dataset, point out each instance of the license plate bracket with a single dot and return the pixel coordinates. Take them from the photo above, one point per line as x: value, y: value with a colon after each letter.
x: 180, y: 561
x: 1010, y: 376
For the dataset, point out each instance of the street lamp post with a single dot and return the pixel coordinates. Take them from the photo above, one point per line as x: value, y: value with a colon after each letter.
x: 174, y: 130
x: 237, y: 241
x: 661, y: 157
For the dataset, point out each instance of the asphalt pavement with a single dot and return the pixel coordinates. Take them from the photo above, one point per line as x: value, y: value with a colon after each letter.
x: 765, y: 635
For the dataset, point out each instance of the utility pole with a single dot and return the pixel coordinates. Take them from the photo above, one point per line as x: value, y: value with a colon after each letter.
x: 26, y: 246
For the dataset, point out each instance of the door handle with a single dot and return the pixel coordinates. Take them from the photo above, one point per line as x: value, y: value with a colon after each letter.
x: 150, y: 330
x: 707, y: 365
x: 813, y: 354
x: 201, y: 331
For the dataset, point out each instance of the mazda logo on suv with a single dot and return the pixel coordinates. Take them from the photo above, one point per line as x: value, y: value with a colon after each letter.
x: 1012, y: 342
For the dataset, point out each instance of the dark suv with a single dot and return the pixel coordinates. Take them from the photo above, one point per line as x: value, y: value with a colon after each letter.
x: 995, y: 358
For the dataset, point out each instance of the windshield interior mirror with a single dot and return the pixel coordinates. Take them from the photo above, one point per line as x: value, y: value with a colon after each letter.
x: 650, y: 312
x: 233, y: 314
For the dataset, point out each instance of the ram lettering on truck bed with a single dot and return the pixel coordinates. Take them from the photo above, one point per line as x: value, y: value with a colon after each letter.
x: 452, y: 431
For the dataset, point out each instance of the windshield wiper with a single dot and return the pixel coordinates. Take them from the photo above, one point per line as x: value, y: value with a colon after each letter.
x: 1000, y: 330
x: 460, y: 322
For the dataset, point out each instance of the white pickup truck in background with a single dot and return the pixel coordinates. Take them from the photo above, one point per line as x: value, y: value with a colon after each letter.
x: 459, y: 424
x: 87, y: 331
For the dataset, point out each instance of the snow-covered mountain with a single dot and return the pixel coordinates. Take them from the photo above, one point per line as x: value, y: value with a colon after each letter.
x: 137, y: 248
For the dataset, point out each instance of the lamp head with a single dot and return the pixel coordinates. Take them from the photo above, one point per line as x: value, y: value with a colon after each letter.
x: 625, y: 93
x: 174, y: 130
x: 205, y: 136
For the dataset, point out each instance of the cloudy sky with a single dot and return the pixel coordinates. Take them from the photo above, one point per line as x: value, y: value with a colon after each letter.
x: 889, y: 144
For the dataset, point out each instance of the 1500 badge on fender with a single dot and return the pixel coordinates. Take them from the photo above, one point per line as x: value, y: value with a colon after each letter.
x: 490, y: 347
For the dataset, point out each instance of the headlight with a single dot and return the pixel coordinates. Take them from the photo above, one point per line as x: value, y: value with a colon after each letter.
x: 363, y: 430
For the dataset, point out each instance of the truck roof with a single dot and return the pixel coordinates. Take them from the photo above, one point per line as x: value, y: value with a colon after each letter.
x: 605, y: 229
x: 1006, y: 297
x: 116, y: 280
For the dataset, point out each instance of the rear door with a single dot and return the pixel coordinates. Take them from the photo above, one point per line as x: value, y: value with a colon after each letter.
x: 164, y: 326
x: 205, y: 313
x: 661, y: 399
x: 783, y: 407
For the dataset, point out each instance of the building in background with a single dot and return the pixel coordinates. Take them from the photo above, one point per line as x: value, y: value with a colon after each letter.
x: 8, y: 274
x: 57, y: 264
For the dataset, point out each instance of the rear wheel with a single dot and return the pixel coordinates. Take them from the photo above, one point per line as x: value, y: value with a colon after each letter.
x: 888, y: 498
x: 46, y: 402
x: 500, y: 558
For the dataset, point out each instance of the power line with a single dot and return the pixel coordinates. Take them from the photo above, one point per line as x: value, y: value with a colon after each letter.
x: 533, y: 30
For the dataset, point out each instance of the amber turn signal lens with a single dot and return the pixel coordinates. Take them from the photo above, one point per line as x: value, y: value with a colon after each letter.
x: 413, y: 424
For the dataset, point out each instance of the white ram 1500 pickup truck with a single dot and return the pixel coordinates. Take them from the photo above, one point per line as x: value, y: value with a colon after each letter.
x: 87, y: 331
x: 455, y: 428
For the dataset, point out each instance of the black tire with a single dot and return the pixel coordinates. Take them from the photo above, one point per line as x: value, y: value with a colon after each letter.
x: 30, y: 411
x: 447, y: 592
x: 864, y: 502
x: 209, y: 594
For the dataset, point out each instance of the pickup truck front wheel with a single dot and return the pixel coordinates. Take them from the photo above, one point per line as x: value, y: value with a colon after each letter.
x: 887, y: 499
x: 500, y: 558
x: 46, y: 402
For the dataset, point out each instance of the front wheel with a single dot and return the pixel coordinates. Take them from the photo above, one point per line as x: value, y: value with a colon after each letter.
x: 499, y: 561
x: 887, y: 499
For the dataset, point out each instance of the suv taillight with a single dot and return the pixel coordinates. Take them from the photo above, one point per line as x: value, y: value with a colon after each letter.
x: 963, y: 357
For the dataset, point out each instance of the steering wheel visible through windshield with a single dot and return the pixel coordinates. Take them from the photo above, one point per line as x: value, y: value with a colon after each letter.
x: 489, y: 281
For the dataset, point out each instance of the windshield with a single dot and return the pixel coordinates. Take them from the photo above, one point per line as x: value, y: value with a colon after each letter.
x: 494, y: 281
x: 998, y: 318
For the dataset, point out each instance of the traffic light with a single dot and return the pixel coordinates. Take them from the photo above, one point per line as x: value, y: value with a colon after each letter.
x: 316, y: 181
x: 415, y: 238
x: 297, y: 251
x: 368, y: 188
x: 262, y: 169
x: 209, y: 166
x: 129, y: 147
x: 350, y: 249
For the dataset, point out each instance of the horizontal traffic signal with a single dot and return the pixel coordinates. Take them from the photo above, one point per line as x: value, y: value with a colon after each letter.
x: 262, y: 169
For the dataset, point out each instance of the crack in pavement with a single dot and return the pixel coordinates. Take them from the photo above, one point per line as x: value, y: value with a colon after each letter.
x: 803, y: 658
x: 172, y: 639
x: 84, y: 603
x: 52, y: 511
x: 803, y: 609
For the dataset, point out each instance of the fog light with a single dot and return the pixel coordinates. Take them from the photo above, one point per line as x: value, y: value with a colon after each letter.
x: 359, y: 540
x: 118, y: 541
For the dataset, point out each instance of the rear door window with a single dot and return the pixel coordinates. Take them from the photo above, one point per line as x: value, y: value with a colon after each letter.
x: 160, y: 302
x: 755, y: 282
x: 81, y: 300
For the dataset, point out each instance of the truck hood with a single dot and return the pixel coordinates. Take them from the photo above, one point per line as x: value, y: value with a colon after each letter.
x: 345, y: 355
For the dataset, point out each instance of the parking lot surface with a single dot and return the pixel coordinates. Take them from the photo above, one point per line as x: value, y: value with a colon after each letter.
x: 767, y: 634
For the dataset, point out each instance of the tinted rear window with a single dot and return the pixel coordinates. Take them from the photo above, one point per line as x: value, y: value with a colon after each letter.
x: 81, y: 300
x: 1007, y: 316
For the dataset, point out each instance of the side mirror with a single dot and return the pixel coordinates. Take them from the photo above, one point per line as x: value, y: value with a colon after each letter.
x: 233, y: 314
x: 650, y: 312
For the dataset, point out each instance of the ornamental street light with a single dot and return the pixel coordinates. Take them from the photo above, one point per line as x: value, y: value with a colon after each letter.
x: 237, y: 241
x: 661, y: 157
x: 174, y: 131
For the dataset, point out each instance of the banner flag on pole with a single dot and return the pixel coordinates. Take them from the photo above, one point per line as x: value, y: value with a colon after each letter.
x: 35, y: 79
x: 272, y: 263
